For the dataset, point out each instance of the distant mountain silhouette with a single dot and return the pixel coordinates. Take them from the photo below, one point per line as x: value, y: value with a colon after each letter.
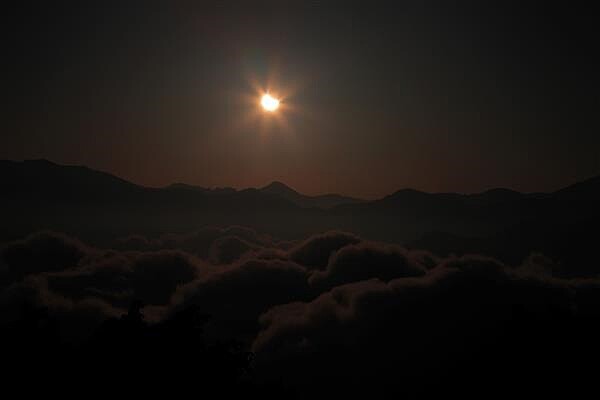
x: 37, y: 175
x: 281, y: 190
x: 321, y: 201
x: 39, y: 194
x: 185, y: 186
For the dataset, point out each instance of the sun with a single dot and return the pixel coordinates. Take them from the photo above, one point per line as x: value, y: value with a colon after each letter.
x: 269, y: 103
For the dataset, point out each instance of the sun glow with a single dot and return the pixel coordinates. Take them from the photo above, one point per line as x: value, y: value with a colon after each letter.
x: 269, y: 103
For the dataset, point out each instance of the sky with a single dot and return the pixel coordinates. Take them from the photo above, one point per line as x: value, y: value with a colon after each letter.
x: 375, y: 98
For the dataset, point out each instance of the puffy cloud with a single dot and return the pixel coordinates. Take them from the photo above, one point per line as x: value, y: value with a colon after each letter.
x: 412, y: 327
x: 42, y: 252
x: 77, y: 318
x: 314, y: 252
x: 332, y: 309
x: 59, y: 273
x: 120, y: 278
x: 239, y: 293
x: 227, y: 249
x: 200, y: 242
x: 365, y: 260
x: 136, y: 243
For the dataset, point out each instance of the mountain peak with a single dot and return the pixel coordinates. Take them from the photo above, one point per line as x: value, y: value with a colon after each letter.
x: 278, y: 187
x: 406, y: 193
x: 277, y: 184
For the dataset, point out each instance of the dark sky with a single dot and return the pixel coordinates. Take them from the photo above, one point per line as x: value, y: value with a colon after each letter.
x: 421, y: 94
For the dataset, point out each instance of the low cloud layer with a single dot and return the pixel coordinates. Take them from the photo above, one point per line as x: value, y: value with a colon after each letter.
x: 224, y: 244
x: 468, y: 316
x: 321, y: 310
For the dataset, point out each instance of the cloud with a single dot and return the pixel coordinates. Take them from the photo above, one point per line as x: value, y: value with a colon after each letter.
x: 413, y: 327
x: 136, y: 243
x: 42, y: 252
x: 77, y: 318
x: 239, y: 293
x: 314, y: 252
x: 365, y: 260
x: 201, y: 242
x: 227, y: 249
x: 63, y: 275
x: 331, y: 310
x: 121, y: 277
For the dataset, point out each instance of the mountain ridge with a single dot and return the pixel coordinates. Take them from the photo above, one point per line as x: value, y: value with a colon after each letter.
x: 281, y: 189
x: 328, y: 200
x: 39, y: 194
